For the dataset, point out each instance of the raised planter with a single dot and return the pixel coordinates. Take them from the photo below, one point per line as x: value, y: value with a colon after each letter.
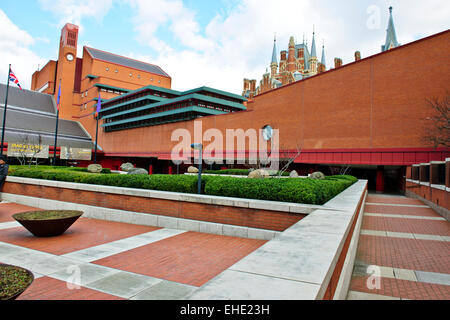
x: 14, y: 281
x: 47, y: 223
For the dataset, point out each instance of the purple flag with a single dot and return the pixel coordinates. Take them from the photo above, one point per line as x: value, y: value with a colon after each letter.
x: 99, y: 105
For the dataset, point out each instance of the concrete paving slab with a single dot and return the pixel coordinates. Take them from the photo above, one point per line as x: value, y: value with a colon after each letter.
x: 115, y: 247
x: 235, y: 285
x: 52, y: 264
x: 123, y: 284
x: 405, y: 274
x: 427, y: 237
x: 356, y: 295
x: 10, y: 224
x: 165, y: 290
x: 373, y: 233
x: 433, y: 277
x: 405, y: 235
x: 83, y: 274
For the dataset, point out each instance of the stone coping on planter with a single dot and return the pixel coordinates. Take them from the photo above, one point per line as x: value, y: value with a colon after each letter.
x: 178, y: 196
x: 298, y: 263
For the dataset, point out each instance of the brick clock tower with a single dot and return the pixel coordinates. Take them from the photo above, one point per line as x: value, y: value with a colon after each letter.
x: 67, y: 61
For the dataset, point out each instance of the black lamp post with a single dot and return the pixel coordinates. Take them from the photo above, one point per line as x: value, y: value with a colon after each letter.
x: 199, y: 146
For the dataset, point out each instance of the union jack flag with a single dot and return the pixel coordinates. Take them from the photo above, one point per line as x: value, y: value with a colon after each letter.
x: 13, y: 78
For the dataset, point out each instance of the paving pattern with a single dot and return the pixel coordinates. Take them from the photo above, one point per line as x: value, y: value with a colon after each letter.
x: 403, y: 252
x: 104, y: 260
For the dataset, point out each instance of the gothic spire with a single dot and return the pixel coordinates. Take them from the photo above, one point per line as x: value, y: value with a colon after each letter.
x: 313, y: 46
x: 391, y: 37
x: 323, y: 56
x: 274, y: 52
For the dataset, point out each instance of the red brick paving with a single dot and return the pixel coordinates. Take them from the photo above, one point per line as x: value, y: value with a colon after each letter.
x: 403, y: 289
x: 84, y: 233
x: 191, y: 258
x: 8, y: 209
x: 412, y: 254
x: 403, y: 253
x: 46, y: 288
x: 419, y: 226
x: 393, y: 200
x: 417, y: 211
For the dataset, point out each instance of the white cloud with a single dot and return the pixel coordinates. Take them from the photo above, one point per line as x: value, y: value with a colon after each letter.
x: 237, y: 43
x: 14, y: 50
x: 74, y: 10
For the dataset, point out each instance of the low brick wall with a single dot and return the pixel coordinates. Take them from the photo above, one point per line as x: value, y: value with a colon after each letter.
x: 435, y: 196
x: 224, y: 214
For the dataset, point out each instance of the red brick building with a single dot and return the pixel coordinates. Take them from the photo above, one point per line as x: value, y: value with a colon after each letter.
x: 371, y: 116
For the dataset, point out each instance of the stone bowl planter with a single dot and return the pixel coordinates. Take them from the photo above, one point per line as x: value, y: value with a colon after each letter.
x: 47, y: 223
x: 14, y: 281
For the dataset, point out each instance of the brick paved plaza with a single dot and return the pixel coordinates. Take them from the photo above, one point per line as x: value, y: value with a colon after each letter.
x: 405, y: 239
x: 411, y: 245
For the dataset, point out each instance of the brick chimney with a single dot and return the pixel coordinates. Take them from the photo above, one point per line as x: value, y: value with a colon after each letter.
x: 357, y: 55
x: 337, y: 63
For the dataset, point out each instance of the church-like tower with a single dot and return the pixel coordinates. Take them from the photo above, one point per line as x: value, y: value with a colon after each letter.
x: 274, y: 62
x: 391, y: 36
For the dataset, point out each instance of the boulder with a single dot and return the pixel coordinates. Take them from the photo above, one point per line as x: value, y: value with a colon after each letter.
x: 258, y: 174
x: 192, y: 169
x: 317, y: 175
x: 137, y: 171
x: 127, y: 166
x: 293, y: 174
x: 94, y: 168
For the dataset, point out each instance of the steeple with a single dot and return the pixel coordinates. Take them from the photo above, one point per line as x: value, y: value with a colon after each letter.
x: 391, y: 37
x: 323, y: 56
x: 313, y: 46
x: 274, y: 52
x: 274, y: 62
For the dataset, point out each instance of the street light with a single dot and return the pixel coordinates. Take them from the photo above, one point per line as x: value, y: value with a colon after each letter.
x: 199, y: 146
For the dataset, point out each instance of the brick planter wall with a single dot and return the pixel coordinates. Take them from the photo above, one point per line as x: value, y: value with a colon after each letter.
x: 247, y: 217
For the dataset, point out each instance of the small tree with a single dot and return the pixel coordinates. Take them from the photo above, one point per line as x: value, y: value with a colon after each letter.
x: 24, y: 156
x: 438, y: 125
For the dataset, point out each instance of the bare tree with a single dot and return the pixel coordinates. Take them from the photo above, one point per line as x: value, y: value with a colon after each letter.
x: 438, y: 125
x: 23, y: 154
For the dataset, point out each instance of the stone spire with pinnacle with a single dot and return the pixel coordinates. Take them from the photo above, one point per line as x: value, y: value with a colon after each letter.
x: 391, y: 37
x: 274, y: 52
x: 274, y: 62
x: 323, y: 56
x: 313, y: 46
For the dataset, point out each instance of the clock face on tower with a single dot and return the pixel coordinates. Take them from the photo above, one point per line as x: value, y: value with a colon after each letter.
x: 69, y: 57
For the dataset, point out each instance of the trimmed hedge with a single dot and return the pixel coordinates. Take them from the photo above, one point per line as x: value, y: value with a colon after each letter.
x: 236, y: 172
x: 306, y: 191
x: 302, y: 190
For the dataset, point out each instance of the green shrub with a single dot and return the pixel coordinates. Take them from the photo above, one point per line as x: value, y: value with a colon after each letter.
x: 300, y: 190
x: 236, y: 172
x: 307, y: 191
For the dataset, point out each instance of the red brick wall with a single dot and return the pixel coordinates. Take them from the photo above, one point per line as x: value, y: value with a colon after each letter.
x: 436, y: 196
x: 376, y: 102
x: 254, y: 218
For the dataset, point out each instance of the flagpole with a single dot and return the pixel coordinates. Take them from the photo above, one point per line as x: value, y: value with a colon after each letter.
x: 99, y: 104
x: 56, y: 130
x: 4, y: 111
x: 96, y: 137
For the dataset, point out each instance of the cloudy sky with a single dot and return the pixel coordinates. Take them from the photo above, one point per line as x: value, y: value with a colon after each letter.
x: 215, y: 43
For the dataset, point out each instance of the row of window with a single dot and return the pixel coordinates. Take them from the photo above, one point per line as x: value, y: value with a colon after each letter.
x: 154, y: 121
x: 162, y: 109
x: 131, y: 74
x: 134, y: 97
